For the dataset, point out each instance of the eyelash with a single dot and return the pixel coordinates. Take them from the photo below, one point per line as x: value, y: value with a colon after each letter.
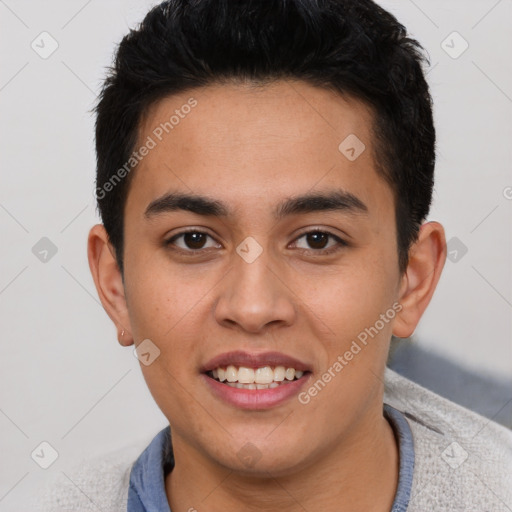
x: 192, y: 252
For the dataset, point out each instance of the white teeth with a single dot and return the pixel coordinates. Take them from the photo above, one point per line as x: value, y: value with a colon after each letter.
x: 264, y: 375
x: 239, y: 385
x: 245, y: 375
x: 231, y: 373
x: 279, y: 372
x: 290, y: 373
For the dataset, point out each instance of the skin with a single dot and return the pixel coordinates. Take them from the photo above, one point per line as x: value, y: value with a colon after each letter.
x: 251, y: 148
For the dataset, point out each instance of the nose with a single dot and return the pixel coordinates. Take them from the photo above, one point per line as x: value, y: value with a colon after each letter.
x: 255, y: 295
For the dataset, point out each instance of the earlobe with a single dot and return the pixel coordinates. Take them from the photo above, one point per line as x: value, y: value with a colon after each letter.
x: 427, y: 257
x: 108, y: 281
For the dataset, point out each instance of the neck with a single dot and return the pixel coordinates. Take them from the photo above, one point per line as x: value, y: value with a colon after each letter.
x: 359, y: 474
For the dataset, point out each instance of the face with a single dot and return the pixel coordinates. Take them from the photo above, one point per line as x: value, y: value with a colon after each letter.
x: 249, y: 282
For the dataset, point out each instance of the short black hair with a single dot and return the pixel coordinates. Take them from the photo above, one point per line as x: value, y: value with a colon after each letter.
x: 352, y: 47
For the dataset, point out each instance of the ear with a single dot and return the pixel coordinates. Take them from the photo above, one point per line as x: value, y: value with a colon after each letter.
x: 109, y: 282
x: 427, y: 257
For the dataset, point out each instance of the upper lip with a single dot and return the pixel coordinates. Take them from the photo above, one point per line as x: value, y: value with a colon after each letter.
x: 253, y: 360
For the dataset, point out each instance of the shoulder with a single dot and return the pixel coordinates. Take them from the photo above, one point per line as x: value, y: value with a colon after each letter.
x: 97, y: 483
x: 463, y: 461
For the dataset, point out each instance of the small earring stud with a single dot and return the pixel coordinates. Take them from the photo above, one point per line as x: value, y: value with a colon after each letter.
x: 122, y: 333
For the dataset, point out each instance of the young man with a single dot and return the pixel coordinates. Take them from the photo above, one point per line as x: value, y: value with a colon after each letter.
x: 265, y: 169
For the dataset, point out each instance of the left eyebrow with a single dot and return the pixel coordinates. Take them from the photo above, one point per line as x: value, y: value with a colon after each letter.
x: 337, y: 200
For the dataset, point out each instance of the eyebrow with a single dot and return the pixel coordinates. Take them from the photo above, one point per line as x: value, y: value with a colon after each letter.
x: 336, y: 200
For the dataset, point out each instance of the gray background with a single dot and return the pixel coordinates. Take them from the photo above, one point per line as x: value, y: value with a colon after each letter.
x: 64, y: 378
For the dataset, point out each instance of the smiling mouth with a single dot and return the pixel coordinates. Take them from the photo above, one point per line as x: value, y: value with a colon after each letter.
x: 264, y: 377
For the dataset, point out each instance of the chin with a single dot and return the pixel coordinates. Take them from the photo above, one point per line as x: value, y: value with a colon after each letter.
x: 260, y: 459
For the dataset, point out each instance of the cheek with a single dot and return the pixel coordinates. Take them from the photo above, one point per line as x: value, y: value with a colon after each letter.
x: 359, y: 293
x: 168, y: 306
x: 357, y: 306
x: 165, y: 308
x: 158, y: 295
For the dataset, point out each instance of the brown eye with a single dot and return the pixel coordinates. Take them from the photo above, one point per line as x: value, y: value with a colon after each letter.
x: 194, y: 240
x: 191, y: 241
x: 318, y: 240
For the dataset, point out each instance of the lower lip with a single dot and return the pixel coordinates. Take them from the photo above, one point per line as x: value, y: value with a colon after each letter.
x: 255, y: 398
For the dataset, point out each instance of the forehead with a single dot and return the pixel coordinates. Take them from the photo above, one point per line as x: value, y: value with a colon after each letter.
x: 236, y: 141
